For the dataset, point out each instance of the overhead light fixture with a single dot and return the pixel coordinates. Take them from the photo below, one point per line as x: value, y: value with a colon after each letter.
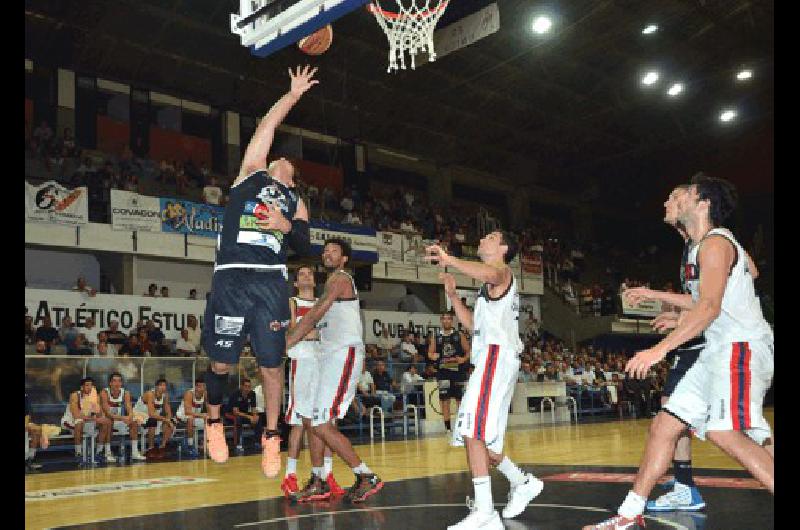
x: 542, y: 24
x: 650, y: 78
x: 727, y: 115
x: 651, y: 28
x: 675, y: 89
x: 744, y: 75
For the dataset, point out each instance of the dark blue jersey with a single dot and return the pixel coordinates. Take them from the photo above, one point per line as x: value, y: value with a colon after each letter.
x: 241, y: 244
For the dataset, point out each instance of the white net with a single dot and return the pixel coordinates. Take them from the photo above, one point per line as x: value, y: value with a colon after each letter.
x: 410, y: 29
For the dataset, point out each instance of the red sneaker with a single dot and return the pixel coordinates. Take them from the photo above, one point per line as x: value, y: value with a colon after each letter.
x: 289, y: 485
x: 336, y: 489
x: 618, y: 523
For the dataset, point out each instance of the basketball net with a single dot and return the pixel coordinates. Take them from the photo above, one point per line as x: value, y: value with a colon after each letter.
x: 410, y: 29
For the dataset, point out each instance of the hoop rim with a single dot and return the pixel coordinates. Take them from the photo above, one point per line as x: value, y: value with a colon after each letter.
x: 391, y: 15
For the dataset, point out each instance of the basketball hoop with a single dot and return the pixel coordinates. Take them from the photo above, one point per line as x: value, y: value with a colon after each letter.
x: 410, y: 29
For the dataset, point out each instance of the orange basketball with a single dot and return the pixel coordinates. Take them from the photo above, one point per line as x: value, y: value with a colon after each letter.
x: 318, y: 42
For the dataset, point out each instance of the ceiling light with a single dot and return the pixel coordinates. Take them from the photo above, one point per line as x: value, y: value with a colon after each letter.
x: 650, y: 78
x: 651, y: 28
x: 675, y: 89
x: 542, y: 24
x: 744, y: 74
x: 727, y: 115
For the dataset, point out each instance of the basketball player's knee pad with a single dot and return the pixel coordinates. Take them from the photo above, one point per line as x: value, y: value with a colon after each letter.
x: 215, y: 386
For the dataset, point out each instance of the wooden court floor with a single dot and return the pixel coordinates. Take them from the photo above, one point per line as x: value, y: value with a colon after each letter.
x: 614, y: 443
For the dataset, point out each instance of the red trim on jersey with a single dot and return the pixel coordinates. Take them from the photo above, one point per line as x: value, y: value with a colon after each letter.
x: 344, y: 380
x: 482, y: 412
x: 735, y: 386
x: 301, y: 311
x: 288, y: 416
x: 746, y: 396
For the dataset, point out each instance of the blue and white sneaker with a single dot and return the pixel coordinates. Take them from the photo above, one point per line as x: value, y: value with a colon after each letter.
x: 681, y: 498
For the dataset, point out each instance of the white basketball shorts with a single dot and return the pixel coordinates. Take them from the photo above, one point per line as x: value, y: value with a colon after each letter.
x: 483, y: 413
x: 303, y: 381
x: 338, y: 376
x: 724, y: 390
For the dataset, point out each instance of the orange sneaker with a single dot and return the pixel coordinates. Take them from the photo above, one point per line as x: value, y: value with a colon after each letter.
x: 271, y: 455
x: 289, y: 485
x: 336, y: 489
x: 215, y: 441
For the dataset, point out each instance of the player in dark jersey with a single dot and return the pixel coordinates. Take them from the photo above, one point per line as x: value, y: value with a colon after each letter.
x: 449, y: 349
x: 249, y: 292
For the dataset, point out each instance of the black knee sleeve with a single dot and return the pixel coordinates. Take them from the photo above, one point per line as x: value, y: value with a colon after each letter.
x: 215, y: 387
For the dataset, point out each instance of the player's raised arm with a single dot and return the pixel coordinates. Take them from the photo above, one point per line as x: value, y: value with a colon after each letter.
x: 462, y: 311
x: 337, y: 286
x: 255, y: 157
x: 482, y: 272
x: 433, y: 355
x: 640, y: 294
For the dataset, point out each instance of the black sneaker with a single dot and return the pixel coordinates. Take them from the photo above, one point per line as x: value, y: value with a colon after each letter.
x: 316, y: 489
x: 366, y: 485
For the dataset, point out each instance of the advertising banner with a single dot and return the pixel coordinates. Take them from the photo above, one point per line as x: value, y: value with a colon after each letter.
x: 532, y: 263
x: 51, y: 202
x: 361, y: 239
x: 169, y: 313
x: 398, y: 323
x: 390, y: 247
x: 131, y: 211
x: 186, y: 217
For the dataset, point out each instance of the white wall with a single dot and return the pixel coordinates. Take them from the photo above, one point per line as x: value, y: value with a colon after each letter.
x: 178, y: 276
x: 54, y: 269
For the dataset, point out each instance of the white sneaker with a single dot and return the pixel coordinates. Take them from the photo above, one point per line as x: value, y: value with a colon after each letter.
x: 138, y: 456
x: 478, y: 520
x: 110, y: 458
x: 520, y: 496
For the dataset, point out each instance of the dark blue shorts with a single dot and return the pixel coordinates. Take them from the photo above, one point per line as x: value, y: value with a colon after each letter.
x: 680, y: 361
x: 242, y: 302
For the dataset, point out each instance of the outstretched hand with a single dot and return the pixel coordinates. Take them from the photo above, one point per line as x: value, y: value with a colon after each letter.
x: 436, y: 255
x: 302, y: 80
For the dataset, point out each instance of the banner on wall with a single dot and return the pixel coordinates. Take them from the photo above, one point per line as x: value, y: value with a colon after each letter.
x: 532, y: 263
x: 51, y: 202
x: 643, y: 309
x: 170, y: 313
x: 361, y: 239
x: 131, y: 211
x: 390, y: 247
x: 186, y: 217
x: 398, y: 323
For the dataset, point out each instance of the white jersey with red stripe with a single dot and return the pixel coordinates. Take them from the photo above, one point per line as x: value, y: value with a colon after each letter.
x: 740, y: 319
x: 116, y: 404
x: 496, y: 323
x: 197, y: 405
x: 305, y: 348
x: 341, y: 326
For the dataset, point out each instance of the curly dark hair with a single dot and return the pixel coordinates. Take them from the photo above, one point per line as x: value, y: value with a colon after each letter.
x: 721, y: 195
x: 510, y: 240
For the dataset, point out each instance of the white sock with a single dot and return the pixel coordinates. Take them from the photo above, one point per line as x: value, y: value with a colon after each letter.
x: 78, y: 450
x: 190, y: 441
x: 362, y: 468
x: 108, y: 448
x: 318, y: 471
x: 291, y: 466
x: 134, y: 448
x: 328, y: 465
x: 483, y: 494
x: 632, y: 506
x: 31, y: 453
x: 510, y: 470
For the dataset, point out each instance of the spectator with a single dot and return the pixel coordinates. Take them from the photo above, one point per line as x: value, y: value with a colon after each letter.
x: 76, y: 344
x: 192, y: 294
x: 193, y: 328
x: 166, y: 171
x: 384, y: 386
x: 430, y: 371
x: 212, y: 193
x: 103, y: 348
x: 347, y: 203
x: 386, y: 343
x: 411, y: 380
x: 408, y: 351
x: 164, y: 291
x: 366, y: 391
x: 43, y: 135
x: 83, y: 287
x: 42, y: 348
x: 66, y: 330
x: 144, y: 343
x: 156, y: 337
x: 181, y: 180
x: 131, y: 348
x: 152, y: 291
x: 242, y: 405
x: 89, y: 330
x: 30, y: 332
x: 114, y: 335
x: 183, y: 346
x: 68, y: 147
x: 526, y: 375
x: 352, y: 218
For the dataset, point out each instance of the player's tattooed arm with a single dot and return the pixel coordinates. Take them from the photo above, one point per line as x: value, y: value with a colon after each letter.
x: 337, y: 286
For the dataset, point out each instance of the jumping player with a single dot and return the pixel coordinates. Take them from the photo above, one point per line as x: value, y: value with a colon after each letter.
x: 248, y: 290
x: 449, y: 349
x: 722, y: 394
x: 341, y: 358
x: 496, y: 346
x: 116, y: 404
x: 192, y: 412
x: 303, y: 380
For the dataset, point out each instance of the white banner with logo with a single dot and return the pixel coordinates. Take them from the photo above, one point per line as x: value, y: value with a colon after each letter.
x: 53, y: 203
x: 362, y: 240
x: 169, y: 313
x: 398, y: 323
x: 390, y: 247
x: 642, y: 309
x: 131, y: 211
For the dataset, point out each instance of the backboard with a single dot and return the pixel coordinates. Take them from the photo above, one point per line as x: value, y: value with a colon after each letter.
x: 266, y: 26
